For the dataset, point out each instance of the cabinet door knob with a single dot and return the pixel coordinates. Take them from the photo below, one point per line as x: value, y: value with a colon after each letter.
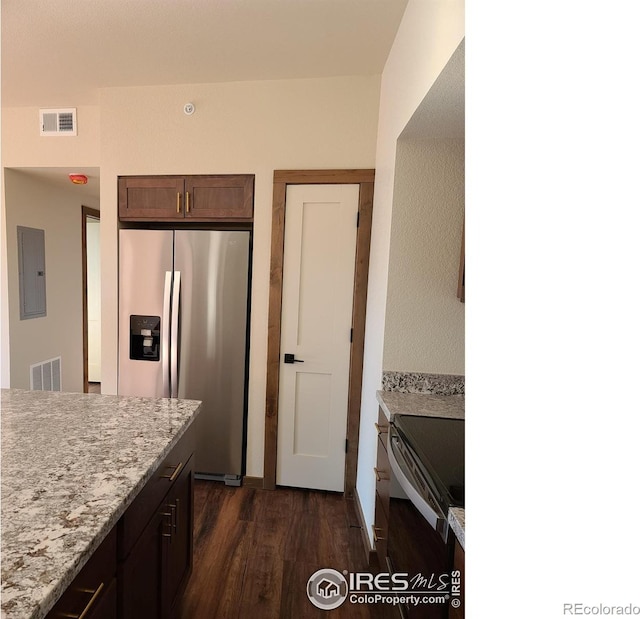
x: 178, y: 203
x: 381, y: 429
x: 170, y: 524
x: 174, y: 514
x: 376, y: 538
x: 380, y: 475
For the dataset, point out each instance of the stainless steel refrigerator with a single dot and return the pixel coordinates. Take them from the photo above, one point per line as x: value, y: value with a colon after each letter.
x: 183, y: 332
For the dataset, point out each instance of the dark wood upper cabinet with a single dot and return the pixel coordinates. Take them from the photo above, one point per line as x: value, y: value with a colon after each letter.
x: 219, y: 197
x: 150, y: 198
x: 225, y: 198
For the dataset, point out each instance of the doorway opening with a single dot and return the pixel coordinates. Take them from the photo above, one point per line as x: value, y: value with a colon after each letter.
x: 91, y: 299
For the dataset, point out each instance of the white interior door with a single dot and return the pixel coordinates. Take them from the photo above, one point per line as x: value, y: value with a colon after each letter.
x: 317, y: 301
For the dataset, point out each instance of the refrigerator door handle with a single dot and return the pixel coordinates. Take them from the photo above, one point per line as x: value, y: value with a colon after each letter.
x: 164, y: 344
x: 175, y: 315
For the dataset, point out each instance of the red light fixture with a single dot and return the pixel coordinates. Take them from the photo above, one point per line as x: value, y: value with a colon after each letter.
x: 78, y: 179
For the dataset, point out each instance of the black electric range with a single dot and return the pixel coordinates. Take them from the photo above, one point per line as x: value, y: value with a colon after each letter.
x: 433, y: 450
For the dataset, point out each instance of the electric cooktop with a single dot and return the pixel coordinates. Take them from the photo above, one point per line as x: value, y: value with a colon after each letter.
x: 438, y: 445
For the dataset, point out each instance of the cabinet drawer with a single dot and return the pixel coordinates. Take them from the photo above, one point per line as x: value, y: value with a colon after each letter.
x: 93, y: 589
x: 146, y: 503
x: 106, y: 606
x: 382, y: 472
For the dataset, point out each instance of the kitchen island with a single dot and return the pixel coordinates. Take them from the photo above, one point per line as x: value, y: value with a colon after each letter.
x: 72, y: 464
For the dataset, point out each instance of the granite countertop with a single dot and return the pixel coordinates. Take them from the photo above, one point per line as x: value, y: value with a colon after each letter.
x: 427, y: 405
x: 421, y: 404
x: 71, y: 465
x: 456, y: 521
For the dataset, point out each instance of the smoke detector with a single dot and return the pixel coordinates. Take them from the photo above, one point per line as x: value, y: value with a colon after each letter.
x: 78, y: 179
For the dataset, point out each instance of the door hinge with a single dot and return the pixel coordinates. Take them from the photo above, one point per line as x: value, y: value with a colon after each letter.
x: 346, y: 445
x: 351, y: 336
x: 358, y: 220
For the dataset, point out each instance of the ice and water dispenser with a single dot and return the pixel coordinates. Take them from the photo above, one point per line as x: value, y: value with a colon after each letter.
x: 144, y: 338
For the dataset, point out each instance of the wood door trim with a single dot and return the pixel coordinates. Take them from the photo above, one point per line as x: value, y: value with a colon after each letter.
x: 86, y: 214
x: 282, y: 178
x: 253, y: 482
x: 319, y: 177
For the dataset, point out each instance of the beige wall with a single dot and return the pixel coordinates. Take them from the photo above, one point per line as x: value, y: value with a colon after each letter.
x: 245, y: 127
x: 5, y: 366
x: 58, y: 212
x: 427, y: 37
x: 23, y: 147
x: 424, y: 328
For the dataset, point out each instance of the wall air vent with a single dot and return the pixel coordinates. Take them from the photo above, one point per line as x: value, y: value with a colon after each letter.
x: 46, y: 376
x: 58, y: 122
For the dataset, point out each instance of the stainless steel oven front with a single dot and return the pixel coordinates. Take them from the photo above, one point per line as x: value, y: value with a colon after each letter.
x: 419, y: 540
x: 414, y: 481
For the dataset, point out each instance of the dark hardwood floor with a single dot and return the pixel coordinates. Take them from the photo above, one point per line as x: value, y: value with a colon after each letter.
x: 254, y: 551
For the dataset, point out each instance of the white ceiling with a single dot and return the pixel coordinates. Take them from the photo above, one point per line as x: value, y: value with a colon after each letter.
x: 59, y: 53
x: 59, y: 177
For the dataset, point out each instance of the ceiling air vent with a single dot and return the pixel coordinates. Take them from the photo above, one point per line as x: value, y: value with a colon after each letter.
x: 58, y: 122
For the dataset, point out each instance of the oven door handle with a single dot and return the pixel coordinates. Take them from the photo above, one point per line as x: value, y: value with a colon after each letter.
x: 405, y: 479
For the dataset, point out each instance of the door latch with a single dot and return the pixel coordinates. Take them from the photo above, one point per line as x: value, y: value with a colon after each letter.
x: 289, y: 358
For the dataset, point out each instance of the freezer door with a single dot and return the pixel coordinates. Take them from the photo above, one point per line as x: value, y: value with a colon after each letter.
x: 145, y: 275
x: 214, y: 268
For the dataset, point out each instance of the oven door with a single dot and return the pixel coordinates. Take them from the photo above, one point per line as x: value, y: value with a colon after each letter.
x: 416, y: 544
x: 412, y: 480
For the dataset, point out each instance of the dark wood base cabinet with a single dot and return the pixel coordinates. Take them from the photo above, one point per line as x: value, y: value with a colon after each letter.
x: 382, y: 471
x: 141, y: 568
x: 155, y: 571
x: 92, y: 594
